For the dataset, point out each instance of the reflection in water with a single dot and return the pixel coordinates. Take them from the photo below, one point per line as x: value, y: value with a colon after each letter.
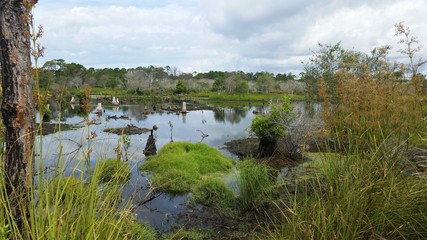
x: 231, y: 115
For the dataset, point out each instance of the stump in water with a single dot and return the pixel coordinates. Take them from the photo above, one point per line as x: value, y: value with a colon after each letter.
x: 267, y: 146
x: 150, y: 147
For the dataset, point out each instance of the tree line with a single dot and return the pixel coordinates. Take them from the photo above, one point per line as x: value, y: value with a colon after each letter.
x: 58, y: 72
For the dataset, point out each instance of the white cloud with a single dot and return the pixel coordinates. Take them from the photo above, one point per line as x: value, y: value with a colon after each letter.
x: 250, y: 35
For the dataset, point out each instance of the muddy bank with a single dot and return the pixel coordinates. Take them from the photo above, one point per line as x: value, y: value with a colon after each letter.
x: 285, y: 156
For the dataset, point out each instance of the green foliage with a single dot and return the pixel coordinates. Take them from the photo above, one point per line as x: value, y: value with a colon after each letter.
x: 114, y: 171
x: 66, y: 189
x: 180, y: 87
x: 138, y: 231
x: 211, y: 191
x: 256, y: 183
x: 179, y: 165
x: 219, y: 84
x: 354, y: 197
x: 73, y: 208
x: 274, y: 123
x: 265, y: 83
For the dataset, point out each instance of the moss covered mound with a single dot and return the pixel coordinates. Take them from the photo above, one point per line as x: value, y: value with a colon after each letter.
x: 179, y: 165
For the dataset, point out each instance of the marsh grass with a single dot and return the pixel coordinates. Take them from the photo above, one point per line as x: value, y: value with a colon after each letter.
x: 214, y: 96
x: 356, y: 197
x: 256, y: 183
x: 213, y: 192
x: 179, y: 165
x: 73, y: 207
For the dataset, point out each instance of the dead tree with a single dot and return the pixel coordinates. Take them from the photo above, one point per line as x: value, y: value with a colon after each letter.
x: 17, y: 107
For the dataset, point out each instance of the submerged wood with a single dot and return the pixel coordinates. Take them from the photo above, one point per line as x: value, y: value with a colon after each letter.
x: 128, y: 130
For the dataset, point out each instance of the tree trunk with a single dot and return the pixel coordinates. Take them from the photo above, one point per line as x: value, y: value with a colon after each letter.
x: 17, y: 107
x: 267, y: 146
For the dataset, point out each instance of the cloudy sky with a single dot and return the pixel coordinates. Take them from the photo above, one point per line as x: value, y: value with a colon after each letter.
x: 225, y: 35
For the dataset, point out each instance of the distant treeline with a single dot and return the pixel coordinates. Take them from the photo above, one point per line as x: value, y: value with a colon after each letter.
x: 57, y: 72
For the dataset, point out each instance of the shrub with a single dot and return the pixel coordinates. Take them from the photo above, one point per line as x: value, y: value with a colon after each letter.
x: 367, y: 112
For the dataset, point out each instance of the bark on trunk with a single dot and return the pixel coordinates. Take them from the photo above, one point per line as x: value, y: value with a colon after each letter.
x: 267, y: 146
x: 17, y: 107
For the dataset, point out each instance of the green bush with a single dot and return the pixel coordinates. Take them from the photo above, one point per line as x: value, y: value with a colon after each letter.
x: 179, y: 165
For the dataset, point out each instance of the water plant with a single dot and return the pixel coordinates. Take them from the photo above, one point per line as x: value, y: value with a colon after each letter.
x: 179, y: 165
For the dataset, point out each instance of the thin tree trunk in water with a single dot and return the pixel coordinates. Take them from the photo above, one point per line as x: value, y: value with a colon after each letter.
x: 267, y: 146
x: 17, y: 107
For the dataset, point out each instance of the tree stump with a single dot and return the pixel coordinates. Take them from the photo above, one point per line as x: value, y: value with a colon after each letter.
x: 150, y: 147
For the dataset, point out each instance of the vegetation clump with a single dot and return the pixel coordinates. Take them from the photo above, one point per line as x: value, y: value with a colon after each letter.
x: 256, y: 182
x: 271, y: 126
x: 179, y: 165
x: 113, y: 170
x: 211, y: 191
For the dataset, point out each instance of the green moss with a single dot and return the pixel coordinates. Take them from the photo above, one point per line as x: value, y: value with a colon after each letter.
x: 179, y: 165
x: 113, y: 170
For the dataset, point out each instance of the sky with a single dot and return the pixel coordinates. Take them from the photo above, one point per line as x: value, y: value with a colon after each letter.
x: 224, y: 35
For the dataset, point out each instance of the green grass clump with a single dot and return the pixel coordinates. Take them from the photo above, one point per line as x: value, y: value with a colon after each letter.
x: 113, y: 170
x: 179, y: 165
x: 211, y: 191
x: 256, y: 182
x: 138, y: 231
x: 357, y: 197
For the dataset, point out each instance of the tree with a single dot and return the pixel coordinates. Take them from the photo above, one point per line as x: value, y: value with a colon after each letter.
x: 219, y: 84
x: 17, y: 106
x: 265, y: 82
x: 271, y: 126
x: 180, y: 87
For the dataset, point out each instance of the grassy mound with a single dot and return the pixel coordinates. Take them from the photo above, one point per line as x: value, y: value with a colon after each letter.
x: 179, y: 165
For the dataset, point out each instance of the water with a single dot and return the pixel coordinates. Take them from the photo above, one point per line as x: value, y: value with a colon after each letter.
x: 220, y: 125
x: 87, y: 145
